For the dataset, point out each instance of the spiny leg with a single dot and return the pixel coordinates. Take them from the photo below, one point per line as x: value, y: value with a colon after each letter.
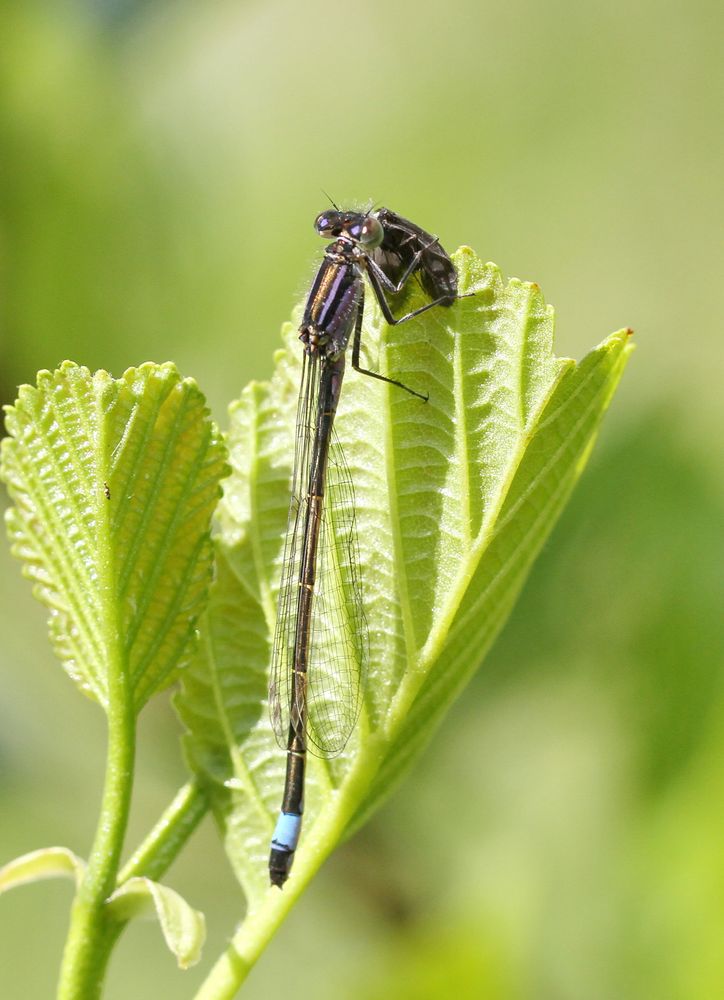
x: 356, y: 344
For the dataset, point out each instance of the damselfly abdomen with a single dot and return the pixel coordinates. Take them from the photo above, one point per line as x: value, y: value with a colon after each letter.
x: 320, y: 653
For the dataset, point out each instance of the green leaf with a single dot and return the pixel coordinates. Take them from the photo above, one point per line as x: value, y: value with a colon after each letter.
x: 48, y: 862
x: 114, y: 483
x: 183, y: 928
x: 454, y: 498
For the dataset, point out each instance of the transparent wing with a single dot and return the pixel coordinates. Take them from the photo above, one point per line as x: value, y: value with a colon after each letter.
x: 280, y: 677
x: 338, y: 639
x: 339, y: 642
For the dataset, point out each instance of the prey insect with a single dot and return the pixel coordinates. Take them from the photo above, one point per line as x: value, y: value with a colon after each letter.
x: 406, y: 246
x: 320, y: 653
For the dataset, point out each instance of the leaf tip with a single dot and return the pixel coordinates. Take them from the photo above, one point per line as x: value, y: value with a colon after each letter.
x: 621, y: 339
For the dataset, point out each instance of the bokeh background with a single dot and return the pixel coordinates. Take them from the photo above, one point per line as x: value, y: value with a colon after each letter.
x: 160, y: 167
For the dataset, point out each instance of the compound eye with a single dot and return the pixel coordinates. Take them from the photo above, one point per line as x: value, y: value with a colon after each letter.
x: 323, y: 224
x: 328, y: 224
x: 371, y: 232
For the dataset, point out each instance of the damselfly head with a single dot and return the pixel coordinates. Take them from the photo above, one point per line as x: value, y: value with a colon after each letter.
x: 358, y: 227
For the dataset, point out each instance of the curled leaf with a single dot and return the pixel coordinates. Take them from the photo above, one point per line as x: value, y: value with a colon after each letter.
x: 183, y: 928
x: 48, y: 862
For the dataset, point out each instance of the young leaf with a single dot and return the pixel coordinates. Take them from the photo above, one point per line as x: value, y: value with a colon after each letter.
x: 183, y: 928
x: 48, y: 862
x: 114, y: 482
x: 454, y: 498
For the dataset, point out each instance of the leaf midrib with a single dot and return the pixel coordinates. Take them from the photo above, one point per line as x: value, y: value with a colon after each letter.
x: 429, y: 652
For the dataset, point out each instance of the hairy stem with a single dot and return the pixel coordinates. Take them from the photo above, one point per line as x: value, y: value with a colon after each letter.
x: 154, y: 856
x: 87, y: 947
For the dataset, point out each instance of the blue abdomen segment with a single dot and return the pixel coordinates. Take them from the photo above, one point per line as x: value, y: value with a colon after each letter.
x: 284, y: 843
x: 286, y: 832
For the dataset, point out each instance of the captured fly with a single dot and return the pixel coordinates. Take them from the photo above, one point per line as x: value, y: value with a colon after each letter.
x: 405, y: 243
x: 320, y: 653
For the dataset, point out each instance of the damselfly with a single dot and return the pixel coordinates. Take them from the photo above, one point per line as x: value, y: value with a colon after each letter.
x: 320, y: 653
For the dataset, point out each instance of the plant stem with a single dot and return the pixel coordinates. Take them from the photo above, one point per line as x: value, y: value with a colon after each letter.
x: 154, y: 856
x: 260, y: 924
x: 87, y: 947
x: 250, y: 939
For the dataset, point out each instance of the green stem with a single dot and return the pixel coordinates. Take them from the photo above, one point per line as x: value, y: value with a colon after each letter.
x: 86, y: 955
x: 154, y: 856
x: 260, y: 923
x: 251, y: 937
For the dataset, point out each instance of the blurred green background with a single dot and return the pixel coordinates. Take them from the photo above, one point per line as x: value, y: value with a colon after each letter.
x: 160, y: 168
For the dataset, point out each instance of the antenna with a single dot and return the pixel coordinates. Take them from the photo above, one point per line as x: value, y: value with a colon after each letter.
x: 331, y: 202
